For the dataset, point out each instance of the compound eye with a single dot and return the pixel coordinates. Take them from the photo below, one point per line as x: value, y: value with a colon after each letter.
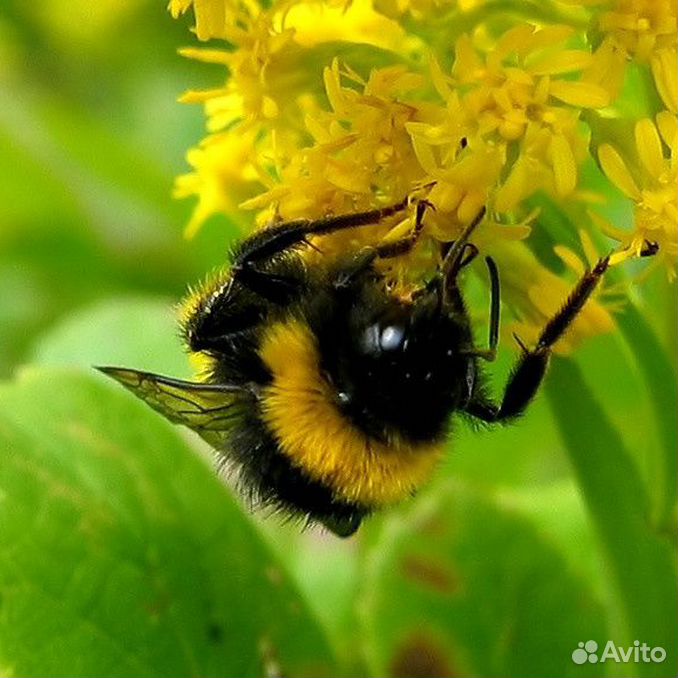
x: 392, y: 338
x: 378, y: 339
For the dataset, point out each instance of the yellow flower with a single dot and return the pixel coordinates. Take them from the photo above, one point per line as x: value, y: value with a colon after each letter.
x: 519, y: 94
x: 212, y: 17
x: 640, y: 27
x: 336, y: 106
x: 650, y: 180
x: 224, y: 175
x: 360, y: 144
x: 644, y: 31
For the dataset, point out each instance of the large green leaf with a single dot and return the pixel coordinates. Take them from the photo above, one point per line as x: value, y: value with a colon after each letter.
x: 642, y: 562
x: 127, y: 332
x: 462, y: 584
x: 121, y: 553
x: 662, y: 390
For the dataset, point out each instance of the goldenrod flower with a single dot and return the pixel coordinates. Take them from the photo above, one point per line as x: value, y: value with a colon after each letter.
x: 640, y: 31
x: 224, y: 175
x: 650, y: 179
x: 333, y: 106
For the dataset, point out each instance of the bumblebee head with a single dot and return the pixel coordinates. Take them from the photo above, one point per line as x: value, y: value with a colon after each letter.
x: 400, y: 367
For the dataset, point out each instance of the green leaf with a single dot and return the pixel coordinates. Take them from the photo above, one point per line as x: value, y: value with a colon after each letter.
x: 558, y: 511
x: 461, y: 584
x: 127, y: 332
x: 662, y: 390
x: 122, y: 554
x: 641, y: 562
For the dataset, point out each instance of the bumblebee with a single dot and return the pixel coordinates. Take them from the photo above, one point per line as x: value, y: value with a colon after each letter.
x: 330, y: 392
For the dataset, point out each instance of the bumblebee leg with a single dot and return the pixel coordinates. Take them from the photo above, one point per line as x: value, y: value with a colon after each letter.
x: 261, y: 247
x: 278, y: 289
x: 495, y: 306
x: 266, y: 244
x: 404, y: 245
x: 490, y: 353
x: 364, y: 259
x: 529, y: 372
x: 454, y: 257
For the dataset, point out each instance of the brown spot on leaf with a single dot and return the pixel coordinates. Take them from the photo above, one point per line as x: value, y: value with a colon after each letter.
x: 419, y: 657
x: 435, y: 526
x: 274, y: 575
x: 430, y: 574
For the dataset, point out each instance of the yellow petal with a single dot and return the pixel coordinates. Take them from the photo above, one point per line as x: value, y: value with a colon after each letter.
x: 514, y: 189
x: 649, y: 147
x: 316, y: 129
x: 590, y: 250
x: 665, y: 76
x: 210, y: 19
x: 563, y: 61
x: 667, y: 125
x: 511, y: 130
x: 332, y: 81
x: 570, y: 259
x: 607, y: 67
x: 621, y: 256
x: 315, y: 23
x: 564, y: 165
x: 617, y: 172
x: 346, y: 176
x: 440, y: 81
x: 470, y: 206
x: 445, y: 196
x: 425, y: 154
x: 178, y: 7
x: 467, y: 63
x: 606, y: 227
x: 269, y: 108
x: 584, y: 94
x: 207, y: 56
x: 547, y: 37
x: 201, y: 96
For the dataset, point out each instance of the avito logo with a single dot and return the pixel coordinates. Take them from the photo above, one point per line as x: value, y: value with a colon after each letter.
x: 639, y: 653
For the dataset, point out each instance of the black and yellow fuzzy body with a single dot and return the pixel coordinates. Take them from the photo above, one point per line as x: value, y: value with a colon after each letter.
x: 349, y: 388
x: 329, y: 392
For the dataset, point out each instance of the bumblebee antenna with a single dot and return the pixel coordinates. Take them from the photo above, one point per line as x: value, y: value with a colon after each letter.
x: 453, y: 259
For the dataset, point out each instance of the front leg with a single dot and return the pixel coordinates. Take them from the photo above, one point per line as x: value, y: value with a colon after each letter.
x: 529, y: 372
x: 266, y: 244
x: 251, y: 262
x: 265, y: 274
x: 363, y: 260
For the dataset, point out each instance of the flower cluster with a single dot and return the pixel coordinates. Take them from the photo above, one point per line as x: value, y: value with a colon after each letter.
x: 333, y: 106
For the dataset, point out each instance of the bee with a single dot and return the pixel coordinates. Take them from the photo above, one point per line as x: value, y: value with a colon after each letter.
x: 328, y: 390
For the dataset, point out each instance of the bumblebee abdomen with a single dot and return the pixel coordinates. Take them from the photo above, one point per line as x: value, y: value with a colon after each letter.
x: 300, y: 412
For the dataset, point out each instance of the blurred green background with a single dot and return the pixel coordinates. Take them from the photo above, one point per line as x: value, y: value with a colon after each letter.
x: 120, y: 551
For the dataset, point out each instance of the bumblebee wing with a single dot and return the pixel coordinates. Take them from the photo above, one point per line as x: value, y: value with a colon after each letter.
x: 207, y: 409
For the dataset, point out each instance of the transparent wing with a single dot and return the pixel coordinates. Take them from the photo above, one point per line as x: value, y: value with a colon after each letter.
x: 207, y: 409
